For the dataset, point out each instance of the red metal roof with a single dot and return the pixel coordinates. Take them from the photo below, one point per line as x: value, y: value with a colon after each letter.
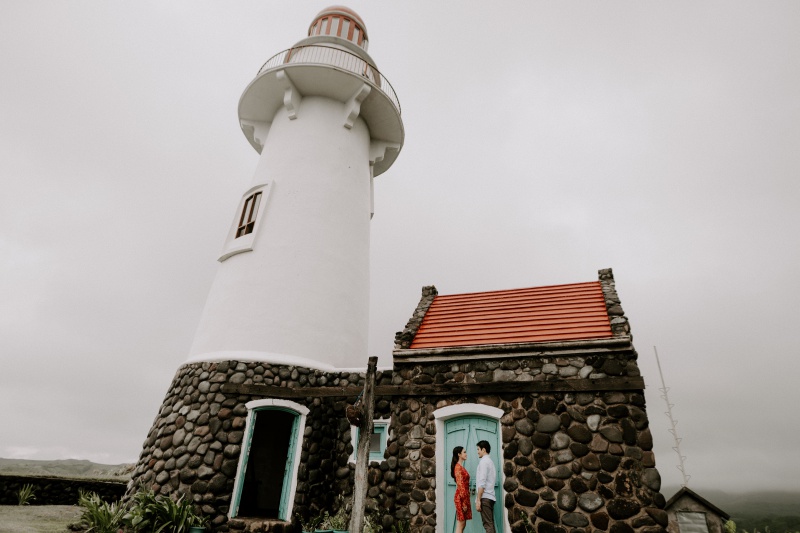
x: 539, y: 314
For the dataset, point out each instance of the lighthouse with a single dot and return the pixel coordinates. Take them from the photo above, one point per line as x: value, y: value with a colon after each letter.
x: 249, y: 429
x: 255, y: 429
x: 293, y: 280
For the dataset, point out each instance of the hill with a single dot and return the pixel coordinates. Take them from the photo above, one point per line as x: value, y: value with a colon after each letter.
x: 66, y: 468
x: 766, y: 503
x: 763, y: 503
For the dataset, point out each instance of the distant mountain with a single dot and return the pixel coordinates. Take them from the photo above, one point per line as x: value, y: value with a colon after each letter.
x: 761, y: 503
x: 68, y: 468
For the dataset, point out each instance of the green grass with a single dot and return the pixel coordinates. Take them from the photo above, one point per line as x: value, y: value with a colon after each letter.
x: 37, y: 518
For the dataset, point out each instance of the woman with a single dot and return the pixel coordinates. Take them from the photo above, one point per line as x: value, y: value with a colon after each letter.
x: 460, y: 474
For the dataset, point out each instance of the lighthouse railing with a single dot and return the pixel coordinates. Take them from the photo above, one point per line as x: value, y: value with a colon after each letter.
x: 335, y: 57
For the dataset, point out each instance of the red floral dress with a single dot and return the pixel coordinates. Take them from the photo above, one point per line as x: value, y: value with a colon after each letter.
x: 463, y: 505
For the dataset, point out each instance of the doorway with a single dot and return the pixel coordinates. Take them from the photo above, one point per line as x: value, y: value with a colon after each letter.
x: 266, y: 467
x: 467, y: 431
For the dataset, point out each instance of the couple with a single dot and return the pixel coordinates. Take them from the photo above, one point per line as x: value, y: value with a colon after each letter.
x: 486, y: 475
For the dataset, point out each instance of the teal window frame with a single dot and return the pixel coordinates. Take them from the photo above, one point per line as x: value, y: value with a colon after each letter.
x: 379, y: 427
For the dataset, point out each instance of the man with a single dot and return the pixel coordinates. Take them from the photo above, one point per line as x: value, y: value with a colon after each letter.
x: 485, y: 479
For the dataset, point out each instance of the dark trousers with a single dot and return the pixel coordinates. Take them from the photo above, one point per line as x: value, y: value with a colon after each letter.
x: 487, y: 514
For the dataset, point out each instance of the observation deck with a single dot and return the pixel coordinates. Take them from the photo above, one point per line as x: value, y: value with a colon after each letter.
x: 328, y: 71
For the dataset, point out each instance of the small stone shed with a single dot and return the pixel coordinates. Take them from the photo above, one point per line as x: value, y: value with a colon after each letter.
x: 691, y: 513
x: 548, y: 375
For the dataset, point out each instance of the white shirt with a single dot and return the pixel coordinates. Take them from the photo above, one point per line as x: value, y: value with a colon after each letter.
x: 486, y: 477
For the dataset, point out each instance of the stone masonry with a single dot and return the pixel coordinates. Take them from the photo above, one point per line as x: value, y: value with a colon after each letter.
x: 195, y: 442
x: 577, y: 453
x: 576, y: 448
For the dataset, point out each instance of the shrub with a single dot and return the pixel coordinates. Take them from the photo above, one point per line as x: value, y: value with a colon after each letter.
x: 99, y: 516
x: 310, y: 525
x: 341, y: 520
x: 401, y: 526
x: 150, y: 513
x: 146, y: 513
x: 373, y: 521
x: 25, y: 495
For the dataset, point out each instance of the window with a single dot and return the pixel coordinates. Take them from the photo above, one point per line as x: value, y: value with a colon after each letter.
x: 248, y: 219
x: 377, y: 441
x: 249, y: 215
x: 690, y: 522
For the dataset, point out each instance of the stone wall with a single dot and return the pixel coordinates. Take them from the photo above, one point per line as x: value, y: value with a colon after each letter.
x: 520, y: 368
x: 576, y: 449
x: 411, y: 458
x: 571, y: 462
x: 194, y: 444
x: 403, y: 339
x: 57, y: 491
x: 575, y: 460
x: 619, y: 322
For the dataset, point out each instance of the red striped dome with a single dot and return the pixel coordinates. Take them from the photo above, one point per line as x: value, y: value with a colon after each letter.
x: 340, y: 21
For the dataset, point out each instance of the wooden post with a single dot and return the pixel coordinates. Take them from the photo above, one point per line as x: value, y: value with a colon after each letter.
x: 362, y: 450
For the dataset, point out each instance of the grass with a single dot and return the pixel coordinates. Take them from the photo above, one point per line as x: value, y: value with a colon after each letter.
x: 37, y: 518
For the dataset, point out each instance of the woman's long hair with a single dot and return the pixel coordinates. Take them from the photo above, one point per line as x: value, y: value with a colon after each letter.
x: 456, y: 452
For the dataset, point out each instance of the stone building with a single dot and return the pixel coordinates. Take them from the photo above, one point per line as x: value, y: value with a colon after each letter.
x: 548, y: 375
x: 253, y: 425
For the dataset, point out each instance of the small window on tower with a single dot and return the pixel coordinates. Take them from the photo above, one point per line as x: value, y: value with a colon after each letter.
x: 248, y: 219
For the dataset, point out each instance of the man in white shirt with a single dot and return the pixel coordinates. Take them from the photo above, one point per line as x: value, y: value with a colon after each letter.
x: 485, y: 480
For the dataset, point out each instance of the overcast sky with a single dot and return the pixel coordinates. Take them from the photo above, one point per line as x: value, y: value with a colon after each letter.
x: 544, y: 141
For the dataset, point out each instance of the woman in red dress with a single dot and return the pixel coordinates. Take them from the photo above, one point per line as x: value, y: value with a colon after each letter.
x: 462, y: 501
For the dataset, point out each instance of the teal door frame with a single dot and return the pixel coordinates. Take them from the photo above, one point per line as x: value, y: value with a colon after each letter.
x: 444, y: 503
x: 292, y: 457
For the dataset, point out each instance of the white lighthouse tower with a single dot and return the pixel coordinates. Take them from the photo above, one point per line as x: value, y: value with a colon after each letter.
x: 293, y: 281
x: 249, y: 427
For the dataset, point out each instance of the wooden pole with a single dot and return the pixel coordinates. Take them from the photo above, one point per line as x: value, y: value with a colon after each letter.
x: 362, y: 450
